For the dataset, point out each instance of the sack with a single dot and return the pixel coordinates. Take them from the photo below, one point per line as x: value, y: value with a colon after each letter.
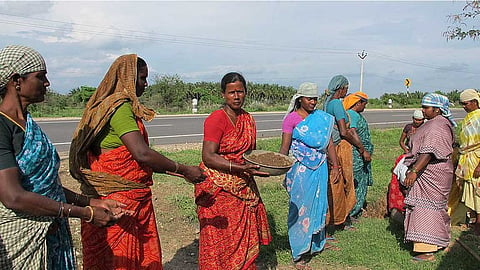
x: 401, y: 171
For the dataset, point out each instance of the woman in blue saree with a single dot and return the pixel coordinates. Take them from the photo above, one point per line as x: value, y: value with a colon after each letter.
x: 35, y: 208
x: 306, y: 134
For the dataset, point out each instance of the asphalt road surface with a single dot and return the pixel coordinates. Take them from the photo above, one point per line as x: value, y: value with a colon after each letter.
x: 189, y: 128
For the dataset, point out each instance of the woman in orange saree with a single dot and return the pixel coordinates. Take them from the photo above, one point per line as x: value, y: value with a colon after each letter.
x: 233, y: 219
x: 111, y: 158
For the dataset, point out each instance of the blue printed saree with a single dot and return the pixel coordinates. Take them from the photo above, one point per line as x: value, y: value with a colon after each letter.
x: 306, y: 183
x: 36, y: 242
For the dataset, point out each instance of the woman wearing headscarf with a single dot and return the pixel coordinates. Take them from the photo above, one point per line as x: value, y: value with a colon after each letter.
x: 111, y: 158
x: 429, y: 179
x: 341, y: 197
x: 34, y: 208
x: 306, y: 133
x: 232, y: 216
x: 468, y: 168
x: 362, y: 170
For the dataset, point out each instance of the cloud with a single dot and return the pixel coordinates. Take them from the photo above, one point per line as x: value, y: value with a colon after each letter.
x: 272, y: 42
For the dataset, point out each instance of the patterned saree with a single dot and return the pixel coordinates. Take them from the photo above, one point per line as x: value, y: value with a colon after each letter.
x: 233, y: 219
x: 36, y: 242
x: 307, y: 183
x: 133, y: 242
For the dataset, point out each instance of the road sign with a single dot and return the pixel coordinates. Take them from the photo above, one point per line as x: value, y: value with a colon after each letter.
x: 407, y: 82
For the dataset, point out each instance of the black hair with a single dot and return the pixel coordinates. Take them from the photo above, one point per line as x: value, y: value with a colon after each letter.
x: 140, y: 63
x: 232, y: 77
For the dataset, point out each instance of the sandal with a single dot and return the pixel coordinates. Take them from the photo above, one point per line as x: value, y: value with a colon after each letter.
x: 350, y: 228
x: 424, y: 257
x: 328, y: 246
x: 302, y: 265
x: 331, y: 239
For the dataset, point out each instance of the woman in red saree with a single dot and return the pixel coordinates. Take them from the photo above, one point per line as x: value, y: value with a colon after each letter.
x: 233, y: 219
x: 111, y: 158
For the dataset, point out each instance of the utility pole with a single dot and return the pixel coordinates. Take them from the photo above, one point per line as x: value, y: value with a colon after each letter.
x: 362, y: 56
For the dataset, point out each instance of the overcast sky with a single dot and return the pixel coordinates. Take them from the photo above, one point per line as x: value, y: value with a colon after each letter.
x: 278, y: 42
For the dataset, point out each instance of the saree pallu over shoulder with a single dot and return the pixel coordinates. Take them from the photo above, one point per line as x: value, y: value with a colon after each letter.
x: 469, y: 146
x: 241, y: 139
x: 25, y: 242
x: 116, y: 170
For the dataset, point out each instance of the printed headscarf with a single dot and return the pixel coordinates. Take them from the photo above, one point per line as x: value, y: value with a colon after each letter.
x: 353, y: 98
x: 441, y: 102
x: 469, y: 94
x: 117, y: 87
x: 306, y: 89
x: 19, y: 59
x: 336, y: 83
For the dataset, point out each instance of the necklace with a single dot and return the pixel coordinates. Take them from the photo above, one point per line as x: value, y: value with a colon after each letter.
x: 13, y: 121
x: 230, y: 117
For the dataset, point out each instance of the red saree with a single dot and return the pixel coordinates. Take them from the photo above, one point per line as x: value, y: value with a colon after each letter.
x: 395, y: 196
x: 233, y: 219
x: 133, y: 242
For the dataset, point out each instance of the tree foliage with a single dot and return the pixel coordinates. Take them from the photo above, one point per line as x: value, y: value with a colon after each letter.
x: 169, y: 94
x: 459, y: 28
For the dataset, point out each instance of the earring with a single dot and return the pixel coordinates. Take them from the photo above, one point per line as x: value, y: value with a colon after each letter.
x: 17, y: 87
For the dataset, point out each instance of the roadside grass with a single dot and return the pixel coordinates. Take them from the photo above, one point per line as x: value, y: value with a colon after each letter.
x: 376, y: 244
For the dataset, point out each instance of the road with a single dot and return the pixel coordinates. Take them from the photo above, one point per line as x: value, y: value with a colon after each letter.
x: 189, y: 128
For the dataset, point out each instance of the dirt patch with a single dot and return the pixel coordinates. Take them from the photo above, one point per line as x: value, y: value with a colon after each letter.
x: 270, y: 159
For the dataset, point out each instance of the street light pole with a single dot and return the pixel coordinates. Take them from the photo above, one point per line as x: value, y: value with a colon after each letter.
x: 362, y: 56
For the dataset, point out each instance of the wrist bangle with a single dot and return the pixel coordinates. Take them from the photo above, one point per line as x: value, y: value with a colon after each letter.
x: 91, y: 214
x: 413, y: 170
x: 334, y: 167
x: 230, y: 166
x: 69, y: 210
x: 61, y: 207
x: 176, y: 167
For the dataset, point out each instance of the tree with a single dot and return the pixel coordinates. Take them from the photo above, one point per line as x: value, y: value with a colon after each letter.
x: 460, y: 30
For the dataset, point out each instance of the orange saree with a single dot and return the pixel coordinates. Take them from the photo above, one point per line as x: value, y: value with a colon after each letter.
x: 133, y: 242
x: 341, y: 194
x: 233, y: 219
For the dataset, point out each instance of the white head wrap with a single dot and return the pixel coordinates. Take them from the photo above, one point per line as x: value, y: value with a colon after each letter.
x: 306, y: 89
x: 469, y: 94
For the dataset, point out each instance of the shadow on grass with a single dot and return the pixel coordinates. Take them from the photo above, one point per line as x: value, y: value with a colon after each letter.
x: 463, y: 253
x: 396, y: 229
x: 268, y: 254
x: 185, y: 258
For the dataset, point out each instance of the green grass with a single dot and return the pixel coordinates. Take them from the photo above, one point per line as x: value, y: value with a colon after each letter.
x: 377, y: 243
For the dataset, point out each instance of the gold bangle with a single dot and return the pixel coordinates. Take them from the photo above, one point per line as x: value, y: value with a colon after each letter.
x: 230, y: 166
x: 176, y: 167
x: 91, y: 214
x: 413, y: 170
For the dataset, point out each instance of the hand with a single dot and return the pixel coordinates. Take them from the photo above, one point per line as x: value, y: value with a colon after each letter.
x: 335, y: 174
x: 115, y: 207
x: 366, y: 156
x: 104, y: 218
x: 410, y: 179
x: 193, y: 174
x: 251, y: 169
